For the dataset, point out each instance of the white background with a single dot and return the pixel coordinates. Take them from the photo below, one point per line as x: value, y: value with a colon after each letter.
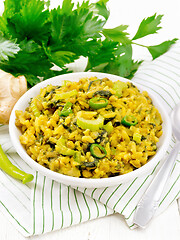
x: 167, y: 225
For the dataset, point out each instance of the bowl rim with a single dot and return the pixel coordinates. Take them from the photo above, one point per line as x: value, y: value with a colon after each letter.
x: 88, y: 182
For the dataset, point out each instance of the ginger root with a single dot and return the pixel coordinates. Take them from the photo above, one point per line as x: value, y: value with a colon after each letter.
x: 11, y: 89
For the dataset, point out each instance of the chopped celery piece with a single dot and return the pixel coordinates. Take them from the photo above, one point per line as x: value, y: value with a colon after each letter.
x: 35, y: 110
x: 137, y: 137
x: 65, y: 95
x: 108, y: 127
x: 93, y: 125
x: 66, y: 110
x: 62, y: 149
x: 119, y: 87
x: 77, y: 156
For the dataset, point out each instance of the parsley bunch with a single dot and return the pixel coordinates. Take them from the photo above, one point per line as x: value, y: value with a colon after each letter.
x: 34, y: 38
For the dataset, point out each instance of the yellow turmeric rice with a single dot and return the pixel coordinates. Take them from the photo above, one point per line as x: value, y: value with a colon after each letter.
x: 94, y: 128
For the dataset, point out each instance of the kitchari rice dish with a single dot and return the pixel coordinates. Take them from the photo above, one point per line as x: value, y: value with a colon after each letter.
x: 94, y: 128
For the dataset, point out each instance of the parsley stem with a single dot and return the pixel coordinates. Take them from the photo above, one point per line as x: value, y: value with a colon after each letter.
x: 138, y: 44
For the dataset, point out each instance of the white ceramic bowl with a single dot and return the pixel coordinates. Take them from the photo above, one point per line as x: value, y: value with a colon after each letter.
x: 83, y: 182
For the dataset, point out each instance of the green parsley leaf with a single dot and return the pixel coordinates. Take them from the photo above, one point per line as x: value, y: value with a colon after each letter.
x: 133, y: 69
x: 8, y: 48
x: 31, y: 21
x: 101, y: 9
x: 75, y: 31
x: 9, y: 10
x: 77, y: 26
x: 124, y: 69
x: 67, y: 7
x: 47, y: 3
x: 60, y: 58
x: 30, y: 60
x: 123, y: 65
x: 117, y: 34
x: 160, y: 49
x: 124, y: 51
x: 148, y: 26
x: 11, y: 7
x: 91, y: 25
x: 103, y: 1
x: 59, y: 36
x: 32, y: 80
x: 98, y: 59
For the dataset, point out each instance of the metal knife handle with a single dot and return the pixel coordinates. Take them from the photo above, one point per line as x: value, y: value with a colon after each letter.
x: 149, y: 202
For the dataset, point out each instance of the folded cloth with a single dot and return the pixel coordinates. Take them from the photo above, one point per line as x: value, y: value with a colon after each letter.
x: 45, y: 205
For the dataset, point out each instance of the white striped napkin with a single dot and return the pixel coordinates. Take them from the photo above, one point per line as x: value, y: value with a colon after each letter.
x: 45, y: 205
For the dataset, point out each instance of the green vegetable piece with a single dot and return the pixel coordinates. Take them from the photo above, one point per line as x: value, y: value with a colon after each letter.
x: 93, y: 125
x: 66, y: 110
x: 129, y: 120
x: 12, y: 170
x: 92, y: 164
x: 8, y: 48
x: 30, y: 19
x: 99, y: 60
x: 60, y: 57
x: 98, y: 151
x: 148, y: 26
x: 35, y: 37
x: 102, y: 93
x: 158, y: 50
x: 117, y: 34
x: 62, y: 149
x: 108, y: 127
x: 65, y: 95
x: 101, y: 6
x: 35, y: 110
x: 119, y: 87
x: 97, y: 103
x: 77, y: 156
x: 137, y: 137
